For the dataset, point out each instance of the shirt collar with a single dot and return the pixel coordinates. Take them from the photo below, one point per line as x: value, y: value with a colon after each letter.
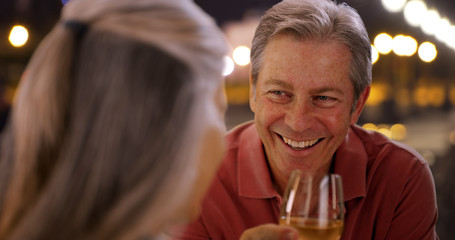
x: 351, y: 163
x: 254, y: 179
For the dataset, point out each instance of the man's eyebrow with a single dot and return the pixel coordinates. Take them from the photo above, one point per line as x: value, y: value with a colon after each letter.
x: 327, y: 89
x: 277, y: 82
x: 284, y: 84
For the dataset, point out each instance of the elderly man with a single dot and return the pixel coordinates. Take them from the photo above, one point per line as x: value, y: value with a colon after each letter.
x: 310, y: 78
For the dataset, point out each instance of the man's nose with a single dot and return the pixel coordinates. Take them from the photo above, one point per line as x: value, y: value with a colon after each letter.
x: 301, y: 115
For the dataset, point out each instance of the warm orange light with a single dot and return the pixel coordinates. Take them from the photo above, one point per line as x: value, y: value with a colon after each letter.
x: 436, y: 96
x: 399, y: 132
x: 18, y: 36
x: 241, y: 55
x: 421, y: 96
x: 403, y: 97
x: 378, y: 94
x: 370, y: 126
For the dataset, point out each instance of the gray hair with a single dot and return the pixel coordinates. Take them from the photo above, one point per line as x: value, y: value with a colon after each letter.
x: 105, y: 122
x: 321, y: 20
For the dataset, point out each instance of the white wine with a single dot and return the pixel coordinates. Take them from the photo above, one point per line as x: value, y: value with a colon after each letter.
x: 313, y: 229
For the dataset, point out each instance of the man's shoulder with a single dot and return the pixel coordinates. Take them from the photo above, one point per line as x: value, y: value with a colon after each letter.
x: 380, y: 147
x: 227, y: 173
x: 396, y: 175
x: 239, y: 132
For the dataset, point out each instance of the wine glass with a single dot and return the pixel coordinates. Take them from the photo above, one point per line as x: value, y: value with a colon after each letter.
x: 314, y: 206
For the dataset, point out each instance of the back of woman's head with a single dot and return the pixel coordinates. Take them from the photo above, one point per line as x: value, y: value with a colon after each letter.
x: 106, y: 118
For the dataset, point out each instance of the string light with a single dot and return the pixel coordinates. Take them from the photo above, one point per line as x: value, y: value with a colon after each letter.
x: 241, y: 55
x: 18, y: 36
x: 417, y: 14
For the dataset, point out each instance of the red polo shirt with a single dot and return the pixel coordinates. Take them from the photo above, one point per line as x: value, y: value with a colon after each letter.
x: 388, y: 189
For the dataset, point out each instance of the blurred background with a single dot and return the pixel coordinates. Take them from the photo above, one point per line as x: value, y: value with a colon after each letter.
x: 413, y: 92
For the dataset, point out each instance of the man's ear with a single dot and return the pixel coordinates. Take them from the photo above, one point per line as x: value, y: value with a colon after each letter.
x: 252, y: 93
x: 360, y: 104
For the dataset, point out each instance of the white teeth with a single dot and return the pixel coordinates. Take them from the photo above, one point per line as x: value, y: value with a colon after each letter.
x: 301, y: 144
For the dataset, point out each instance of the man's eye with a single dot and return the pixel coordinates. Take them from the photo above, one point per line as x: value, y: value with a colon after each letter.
x: 279, y: 96
x: 278, y: 93
x: 324, y: 98
x: 324, y: 101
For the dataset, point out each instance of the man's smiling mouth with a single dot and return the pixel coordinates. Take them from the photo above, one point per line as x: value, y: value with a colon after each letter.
x: 300, y: 145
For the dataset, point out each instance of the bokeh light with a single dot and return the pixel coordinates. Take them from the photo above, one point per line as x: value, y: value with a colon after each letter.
x: 374, y: 54
x: 450, y: 40
x: 383, y: 43
x: 386, y: 131
x: 450, y: 37
x: 404, y: 45
x: 421, y: 96
x: 370, y: 126
x: 378, y: 93
x: 436, y: 95
x: 398, y: 131
x: 228, y: 66
x: 413, y: 12
x: 241, y: 55
x: 446, y: 33
x: 403, y: 97
x: 430, y: 22
x: 427, y: 51
x: 393, y: 5
x: 442, y: 29
x: 18, y: 36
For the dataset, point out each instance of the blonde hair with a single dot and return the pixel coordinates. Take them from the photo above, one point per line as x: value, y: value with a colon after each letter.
x: 105, y: 119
